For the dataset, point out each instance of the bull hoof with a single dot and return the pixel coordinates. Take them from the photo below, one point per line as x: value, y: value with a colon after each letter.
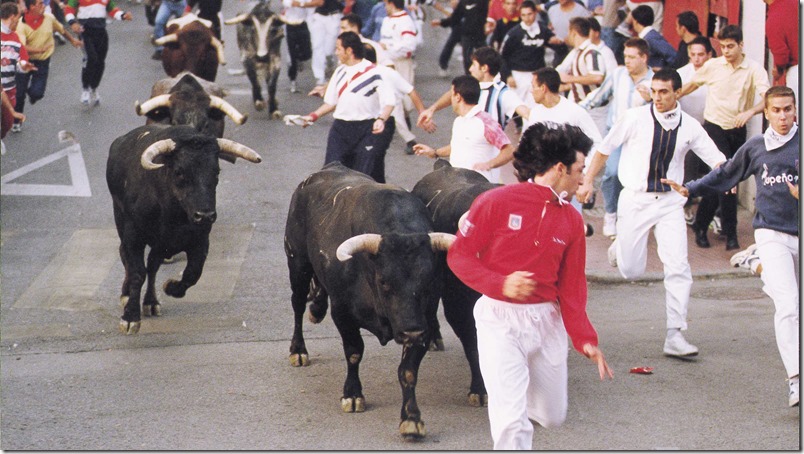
x: 276, y: 115
x: 129, y: 327
x: 353, y: 404
x: 478, y: 400
x: 412, y: 429
x: 437, y: 345
x: 174, y: 288
x: 299, y: 360
x: 313, y: 318
x: 259, y: 105
x: 149, y: 310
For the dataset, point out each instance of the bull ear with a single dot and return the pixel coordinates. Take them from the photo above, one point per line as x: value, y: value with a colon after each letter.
x: 441, y: 241
x: 153, y: 151
x: 367, y: 242
x: 230, y: 148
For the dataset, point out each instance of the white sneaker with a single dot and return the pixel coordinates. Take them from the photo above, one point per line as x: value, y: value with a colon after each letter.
x: 612, y: 254
x: 95, y: 98
x: 740, y: 259
x: 85, y: 97
x: 715, y: 225
x: 792, y: 397
x: 293, y: 88
x: 610, y: 224
x: 689, y: 215
x: 442, y: 73
x: 676, y: 345
x: 16, y: 128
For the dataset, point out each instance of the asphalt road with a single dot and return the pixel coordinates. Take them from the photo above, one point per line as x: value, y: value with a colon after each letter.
x: 212, y: 371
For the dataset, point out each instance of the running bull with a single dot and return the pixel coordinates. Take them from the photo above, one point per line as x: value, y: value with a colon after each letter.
x: 163, y: 182
x: 191, y: 46
x: 448, y: 192
x: 259, y: 37
x: 370, y: 248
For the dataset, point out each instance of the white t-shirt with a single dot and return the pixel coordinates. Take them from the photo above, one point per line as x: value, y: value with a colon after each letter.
x: 694, y: 102
x: 567, y: 112
x: 476, y: 138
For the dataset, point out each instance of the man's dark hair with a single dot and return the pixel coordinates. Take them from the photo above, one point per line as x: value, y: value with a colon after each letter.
x: 353, y: 20
x: 488, y: 56
x: 468, y: 87
x: 543, y: 145
x: 528, y: 4
x: 639, y: 44
x: 643, y: 15
x: 8, y: 9
x: 369, y: 53
x: 669, y: 75
x: 594, y: 25
x: 350, y: 40
x: 689, y: 20
x: 400, y: 4
x: 731, y: 32
x: 704, y: 41
x: 549, y: 77
x: 580, y: 25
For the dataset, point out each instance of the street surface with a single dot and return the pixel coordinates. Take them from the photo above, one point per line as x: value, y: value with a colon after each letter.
x: 212, y: 372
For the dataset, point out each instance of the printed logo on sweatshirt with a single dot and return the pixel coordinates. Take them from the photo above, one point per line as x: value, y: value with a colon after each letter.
x: 514, y: 221
x: 770, y: 180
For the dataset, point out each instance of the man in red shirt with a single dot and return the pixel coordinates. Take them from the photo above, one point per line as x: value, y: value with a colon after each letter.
x: 523, y: 247
x: 781, y: 28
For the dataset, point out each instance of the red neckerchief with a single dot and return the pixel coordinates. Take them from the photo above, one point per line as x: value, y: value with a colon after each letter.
x: 34, y: 21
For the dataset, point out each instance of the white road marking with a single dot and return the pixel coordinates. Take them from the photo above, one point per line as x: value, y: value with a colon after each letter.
x: 78, y: 174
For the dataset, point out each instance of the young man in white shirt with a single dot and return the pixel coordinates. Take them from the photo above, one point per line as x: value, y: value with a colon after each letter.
x: 478, y: 142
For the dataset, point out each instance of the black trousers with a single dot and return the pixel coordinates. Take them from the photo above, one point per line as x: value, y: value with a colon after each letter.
x: 299, y: 47
x: 353, y: 144
x: 96, y: 46
x: 469, y: 43
x: 452, y: 41
x: 728, y: 141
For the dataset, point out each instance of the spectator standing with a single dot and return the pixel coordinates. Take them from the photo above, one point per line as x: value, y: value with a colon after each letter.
x: 523, y: 50
x: 687, y: 29
x: 662, y: 53
x: 782, y: 30
x: 87, y: 18
x: 533, y: 292
x: 478, y: 142
x: 773, y: 160
x: 471, y: 14
x: 361, y: 102
x: 699, y: 51
x: 14, y: 55
x: 657, y: 6
x: 504, y: 24
x: 167, y: 9
x: 654, y: 140
x: 324, y: 25
x: 298, y: 37
x: 733, y: 81
x: 583, y: 69
x: 37, y: 34
x: 560, y: 15
x: 627, y: 88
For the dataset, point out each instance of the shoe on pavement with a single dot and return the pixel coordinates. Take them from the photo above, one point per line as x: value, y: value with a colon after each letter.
x: 676, y: 345
x: 610, y: 224
x: 700, y: 237
x: 293, y: 88
x: 16, y: 128
x: 409, y: 147
x: 591, y: 203
x: 85, y: 97
x: 732, y: 243
x: 792, y: 396
x: 740, y: 259
x: 716, y: 225
x: 95, y: 98
x: 611, y: 254
x: 689, y: 215
x: 442, y: 73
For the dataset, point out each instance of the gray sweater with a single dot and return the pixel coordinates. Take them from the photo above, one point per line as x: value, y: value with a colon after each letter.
x: 776, y: 208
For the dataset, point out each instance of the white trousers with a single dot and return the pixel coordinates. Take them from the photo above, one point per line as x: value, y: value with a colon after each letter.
x: 324, y: 31
x: 523, y: 360
x: 401, y: 127
x: 523, y: 80
x: 778, y: 253
x: 637, y: 213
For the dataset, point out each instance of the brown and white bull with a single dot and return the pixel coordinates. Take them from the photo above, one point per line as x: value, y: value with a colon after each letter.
x: 190, y: 45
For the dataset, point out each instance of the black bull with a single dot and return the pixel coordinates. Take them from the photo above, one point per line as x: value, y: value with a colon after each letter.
x: 369, y: 247
x: 448, y: 192
x: 163, y: 183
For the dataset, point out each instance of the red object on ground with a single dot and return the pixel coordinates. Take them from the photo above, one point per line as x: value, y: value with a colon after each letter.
x: 642, y: 370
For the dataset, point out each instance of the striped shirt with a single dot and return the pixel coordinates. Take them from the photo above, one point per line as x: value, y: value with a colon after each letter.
x: 620, y: 92
x: 92, y: 11
x: 358, y: 92
x: 499, y: 101
x: 583, y: 60
x: 12, y: 54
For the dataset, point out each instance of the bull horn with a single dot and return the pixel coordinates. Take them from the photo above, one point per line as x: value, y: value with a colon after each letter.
x: 237, y: 19
x: 367, y: 242
x: 170, y: 38
x: 462, y: 220
x: 228, y: 109
x: 151, y: 104
x: 219, y: 49
x: 237, y: 150
x: 441, y: 241
x: 154, y: 150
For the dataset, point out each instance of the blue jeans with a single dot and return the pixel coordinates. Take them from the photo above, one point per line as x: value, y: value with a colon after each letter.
x: 166, y: 9
x: 32, y: 83
x: 610, y: 184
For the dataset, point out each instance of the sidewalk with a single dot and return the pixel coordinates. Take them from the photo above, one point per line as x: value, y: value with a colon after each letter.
x: 705, y: 263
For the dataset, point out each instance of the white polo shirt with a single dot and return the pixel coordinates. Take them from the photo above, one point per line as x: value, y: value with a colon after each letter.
x: 476, y: 138
x: 567, y: 112
x: 358, y: 92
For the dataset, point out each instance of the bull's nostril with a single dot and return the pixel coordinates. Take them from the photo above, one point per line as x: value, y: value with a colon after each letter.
x: 413, y: 337
x: 204, y: 216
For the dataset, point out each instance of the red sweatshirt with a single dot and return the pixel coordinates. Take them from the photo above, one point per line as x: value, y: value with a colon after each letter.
x: 521, y: 227
x: 781, y: 28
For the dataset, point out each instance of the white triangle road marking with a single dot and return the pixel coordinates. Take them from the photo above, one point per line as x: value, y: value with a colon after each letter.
x: 78, y: 174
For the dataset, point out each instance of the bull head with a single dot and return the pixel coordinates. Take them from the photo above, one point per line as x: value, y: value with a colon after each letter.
x: 370, y: 242
x: 228, y: 148
x: 261, y: 18
x: 178, y: 24
x: 214, y: 102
